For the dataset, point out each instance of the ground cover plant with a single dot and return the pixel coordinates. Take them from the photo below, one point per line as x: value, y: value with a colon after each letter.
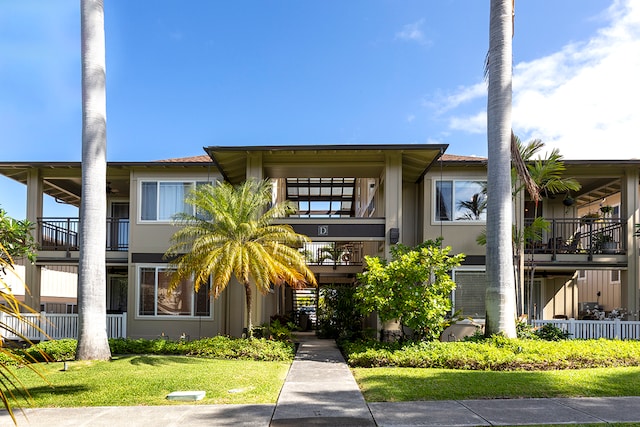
x: 497, y: 354
x: 495, y: 368
x: 219, y: 347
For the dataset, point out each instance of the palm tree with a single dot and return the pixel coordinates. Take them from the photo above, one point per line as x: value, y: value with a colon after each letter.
x: 474, y: 207
x: 500, y: 293
x: 546, y: 174
x: 232, y: 233
x: 92, y: 310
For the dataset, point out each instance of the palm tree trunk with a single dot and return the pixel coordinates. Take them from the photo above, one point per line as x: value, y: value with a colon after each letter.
x: 92, y: 335
x: 500, y: 294
x: 248, y: 299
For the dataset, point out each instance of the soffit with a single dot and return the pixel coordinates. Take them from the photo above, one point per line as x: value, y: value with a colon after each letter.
x: 362, y: 161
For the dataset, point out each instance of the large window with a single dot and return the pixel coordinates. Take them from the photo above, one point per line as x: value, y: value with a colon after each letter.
x: 155, y: 299
x: 458, y: 200
x: 161, y: 200
x: 468, y: 297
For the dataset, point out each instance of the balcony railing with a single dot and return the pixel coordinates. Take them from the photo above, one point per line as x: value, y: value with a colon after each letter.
x: 333, y: 253
x: 46, y: 326
x: 62, y: 234
x: 581, y: 236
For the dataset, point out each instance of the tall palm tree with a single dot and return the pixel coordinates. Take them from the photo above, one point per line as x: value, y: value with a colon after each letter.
x: 92, y: 310
x: 500, y: 293
x: 232, y: 234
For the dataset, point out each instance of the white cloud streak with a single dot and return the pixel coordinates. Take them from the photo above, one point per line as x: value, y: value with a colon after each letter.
x: 413, y: 32
x: 582, y: 99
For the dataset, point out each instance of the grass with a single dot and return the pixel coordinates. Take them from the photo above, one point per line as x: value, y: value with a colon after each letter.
x: 146, y: 380
x: 409, y: 384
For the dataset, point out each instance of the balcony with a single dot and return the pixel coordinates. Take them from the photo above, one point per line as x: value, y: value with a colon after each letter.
x: 581, y: 236
x: 61, y: 234
x: 333, y: 254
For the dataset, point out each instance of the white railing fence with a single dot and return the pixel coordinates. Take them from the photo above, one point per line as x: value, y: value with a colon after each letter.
x: 594, y: 329
x: 54, y: 326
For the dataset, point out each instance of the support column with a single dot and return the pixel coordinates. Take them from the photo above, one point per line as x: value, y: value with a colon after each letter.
x: 631, y: 206
x: 393, y: 200
x: 34, y: 211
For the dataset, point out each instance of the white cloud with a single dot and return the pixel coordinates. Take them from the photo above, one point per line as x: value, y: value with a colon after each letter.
x: 583, y: 99
x: 413, y: 32
x: 476, y: 124
x: 462, y: 95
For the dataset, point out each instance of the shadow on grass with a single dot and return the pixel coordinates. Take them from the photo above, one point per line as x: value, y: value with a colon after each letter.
x: 62, y: 390
x: 157, y: 360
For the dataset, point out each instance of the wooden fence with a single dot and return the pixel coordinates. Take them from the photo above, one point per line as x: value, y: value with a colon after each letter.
x: 53, y: 326
x: 594, y: 329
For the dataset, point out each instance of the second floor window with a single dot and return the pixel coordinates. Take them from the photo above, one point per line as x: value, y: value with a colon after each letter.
x: 161, y: 200
x: 460, y: 200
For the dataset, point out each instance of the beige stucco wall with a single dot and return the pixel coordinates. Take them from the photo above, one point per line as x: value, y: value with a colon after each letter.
x: 154, y: 238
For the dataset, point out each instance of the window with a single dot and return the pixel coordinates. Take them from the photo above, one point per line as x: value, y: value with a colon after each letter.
x: 468, y: 297
x: 582, y: 274
x: 155, y: 299
x: 161, y: 200
x: 460, y: 201
x: 615, y: 276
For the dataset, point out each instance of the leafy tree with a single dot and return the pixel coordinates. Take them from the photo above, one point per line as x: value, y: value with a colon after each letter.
x: 93, y: 343
x: 339, y: 315
x: 233, y: 234
x: 413, y: 288
x: 16, y: 237
x: 15, y: 241
x: 544, y: 175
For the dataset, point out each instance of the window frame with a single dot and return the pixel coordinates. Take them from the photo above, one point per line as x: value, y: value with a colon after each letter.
x: 453, y: 180
x: 193, y: 299
x: 191, y: 182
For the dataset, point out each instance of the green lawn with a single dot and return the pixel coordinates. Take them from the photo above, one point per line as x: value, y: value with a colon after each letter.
x: 407, y: 384
x: 146, y: 380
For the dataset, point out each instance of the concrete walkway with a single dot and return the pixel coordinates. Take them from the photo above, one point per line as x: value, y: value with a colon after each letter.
x: 320, y: 391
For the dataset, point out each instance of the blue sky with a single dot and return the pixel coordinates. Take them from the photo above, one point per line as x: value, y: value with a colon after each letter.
x: 186, y: 74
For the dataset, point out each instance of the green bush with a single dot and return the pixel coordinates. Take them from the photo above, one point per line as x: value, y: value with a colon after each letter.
x: 550, y: 332
x: 51, y: 351
x: 219, y: 347
x: 496, y: 353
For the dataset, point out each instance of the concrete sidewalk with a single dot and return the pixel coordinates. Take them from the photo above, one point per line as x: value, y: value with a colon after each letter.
x: 320, y: 391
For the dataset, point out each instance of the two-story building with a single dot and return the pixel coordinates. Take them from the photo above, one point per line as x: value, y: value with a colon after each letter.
x: 352, y: 201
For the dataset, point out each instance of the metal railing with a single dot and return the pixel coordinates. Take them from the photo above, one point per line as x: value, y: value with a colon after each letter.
x: 333, y: 253
x: 580, y: 236
x: 54, y: 326
x: 62, y: 234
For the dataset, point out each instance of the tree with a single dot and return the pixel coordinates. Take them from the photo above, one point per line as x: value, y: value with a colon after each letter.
x: 16, y: 237
x: 546, y: 174
x: 233, y: 234
x: 413, y: 288
x: 93, y: 343
x: 15, y: 241
x: 500, y: 293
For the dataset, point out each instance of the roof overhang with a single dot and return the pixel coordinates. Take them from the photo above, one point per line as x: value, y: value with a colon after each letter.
x: 314, y: 161
x: 63, y: 180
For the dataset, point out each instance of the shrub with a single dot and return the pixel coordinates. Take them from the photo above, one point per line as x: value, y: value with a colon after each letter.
x: 550, y: 332
x: 496, y: 353
x: 51, y: 351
